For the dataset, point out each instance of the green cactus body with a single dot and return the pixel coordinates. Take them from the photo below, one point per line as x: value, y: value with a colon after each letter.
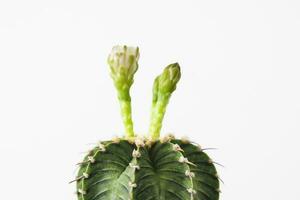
x: 142, y: 170
x: 148, y: 168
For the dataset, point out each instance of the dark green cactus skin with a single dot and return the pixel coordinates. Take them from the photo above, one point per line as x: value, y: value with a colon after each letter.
x: 160, y: 170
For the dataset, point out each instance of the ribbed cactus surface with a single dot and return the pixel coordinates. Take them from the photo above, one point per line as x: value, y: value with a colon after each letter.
x: 145, y: 168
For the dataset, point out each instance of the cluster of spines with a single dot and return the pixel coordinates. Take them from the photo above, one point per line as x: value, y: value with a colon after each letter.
x: 136, y: 154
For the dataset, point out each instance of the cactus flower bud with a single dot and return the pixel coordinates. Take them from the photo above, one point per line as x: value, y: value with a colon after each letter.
x: 166, y: 82
x: 123, y: 62
x: 163, y: 86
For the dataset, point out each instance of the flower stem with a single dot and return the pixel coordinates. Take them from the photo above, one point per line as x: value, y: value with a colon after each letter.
x: 127, y: 119
x: 157, y: 116
x: 125, y: 105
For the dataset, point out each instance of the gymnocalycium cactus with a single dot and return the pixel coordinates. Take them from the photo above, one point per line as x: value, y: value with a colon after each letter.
x: 145, y: 168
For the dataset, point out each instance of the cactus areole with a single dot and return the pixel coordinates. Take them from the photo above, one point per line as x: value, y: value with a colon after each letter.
x: 145, y: 168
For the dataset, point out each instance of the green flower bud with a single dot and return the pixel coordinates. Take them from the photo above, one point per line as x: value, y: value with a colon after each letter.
x: 163, y: 87
x: 165, y: 83
x: 123, y: 62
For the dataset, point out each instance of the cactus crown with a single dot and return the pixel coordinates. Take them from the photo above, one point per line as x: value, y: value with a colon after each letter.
x: 152, y: 168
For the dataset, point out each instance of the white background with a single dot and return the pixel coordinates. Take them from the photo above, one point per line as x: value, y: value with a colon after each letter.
x: 239, y: 92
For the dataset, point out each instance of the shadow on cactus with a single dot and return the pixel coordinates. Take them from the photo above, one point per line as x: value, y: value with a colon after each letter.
x: 145, y: 168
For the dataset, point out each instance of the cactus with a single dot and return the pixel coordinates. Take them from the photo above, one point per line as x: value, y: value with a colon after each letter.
x: 145, y: 168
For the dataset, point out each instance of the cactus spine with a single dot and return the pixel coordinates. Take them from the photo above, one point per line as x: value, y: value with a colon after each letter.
x: 152, y: 168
